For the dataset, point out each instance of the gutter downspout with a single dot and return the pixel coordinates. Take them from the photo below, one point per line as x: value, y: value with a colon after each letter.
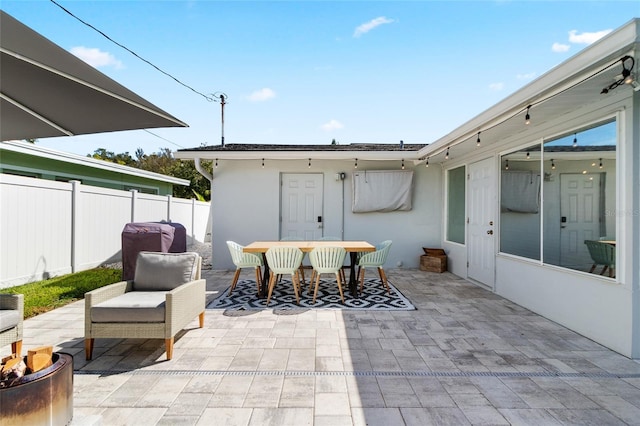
x: 209, y: 177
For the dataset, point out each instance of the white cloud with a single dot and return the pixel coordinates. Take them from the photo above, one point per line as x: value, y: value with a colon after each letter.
x: 586, y: 38
x: 527, y: 76
x: 332, y: 125
x: 262, y: 95
x: 559, y: 47
x: 368, y: 26
x: 496, y: 86
x: 96, y: 58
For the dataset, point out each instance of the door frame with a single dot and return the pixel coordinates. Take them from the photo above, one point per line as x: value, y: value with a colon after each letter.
x: 491, y: 212
x: 320, y: 176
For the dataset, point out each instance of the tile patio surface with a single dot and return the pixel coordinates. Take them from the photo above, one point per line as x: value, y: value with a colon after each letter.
x: 465, y: 356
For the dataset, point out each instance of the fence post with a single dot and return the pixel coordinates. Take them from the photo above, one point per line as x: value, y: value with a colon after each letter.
x: 75, y: 210
x: 169, y: 201
x: 193, y: 219
x: 134, y: 199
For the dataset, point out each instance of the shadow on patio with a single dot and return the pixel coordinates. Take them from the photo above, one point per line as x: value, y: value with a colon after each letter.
x: 465, y: 356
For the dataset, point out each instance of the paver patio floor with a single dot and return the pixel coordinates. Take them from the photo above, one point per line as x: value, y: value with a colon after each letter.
x: 465, y: 356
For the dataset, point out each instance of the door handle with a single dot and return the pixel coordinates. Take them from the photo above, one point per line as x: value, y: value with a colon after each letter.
x: 490, y: 232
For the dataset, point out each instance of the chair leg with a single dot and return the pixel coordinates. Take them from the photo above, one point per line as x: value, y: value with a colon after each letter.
x: 259, y: 278
x: 315, y: 291
x: 272, y: 283
x: 301, y: 269
x: 169, y: 344
x: 88, y: 348
x: 235, y: 280
x: 312, y: 280
x: 16, y: 348
x: 201, y: 319
x: 383, y: 277
x: 592, y: 268
x: 296, y: 284
x: 361, y: 279
x: 339, y: 280
x: 604, y: 269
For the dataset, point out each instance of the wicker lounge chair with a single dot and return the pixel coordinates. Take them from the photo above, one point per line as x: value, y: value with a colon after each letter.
x: 11, y: 319
x: 165, y: 295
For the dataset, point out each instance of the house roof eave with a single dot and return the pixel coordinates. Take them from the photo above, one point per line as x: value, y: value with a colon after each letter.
x: 38, y: 151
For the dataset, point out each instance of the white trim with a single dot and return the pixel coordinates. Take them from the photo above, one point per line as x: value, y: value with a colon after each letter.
x: 38, y: 151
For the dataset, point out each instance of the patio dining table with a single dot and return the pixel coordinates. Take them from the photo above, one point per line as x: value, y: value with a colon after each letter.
x: 352, y: 247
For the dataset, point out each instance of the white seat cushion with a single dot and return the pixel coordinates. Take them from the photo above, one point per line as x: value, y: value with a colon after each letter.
x: 132, y: 307
x: 9, y: 318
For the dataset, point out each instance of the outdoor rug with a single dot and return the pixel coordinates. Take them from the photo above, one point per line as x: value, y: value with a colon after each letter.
x: 374, y: 297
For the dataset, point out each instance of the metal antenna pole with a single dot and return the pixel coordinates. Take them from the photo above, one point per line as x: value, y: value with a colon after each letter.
x: 223, y: 97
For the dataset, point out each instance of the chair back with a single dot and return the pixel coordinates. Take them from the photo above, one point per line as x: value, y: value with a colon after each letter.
x: 327, y: 259
x: 330, y: 238
x: 159, y: 271
x: 242, y: 259
x: 284, y: 259
x: 378, y: 257
x: 601, y: 253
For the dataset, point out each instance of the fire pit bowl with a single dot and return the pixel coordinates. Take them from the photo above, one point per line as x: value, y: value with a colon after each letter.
x: 42, y: 398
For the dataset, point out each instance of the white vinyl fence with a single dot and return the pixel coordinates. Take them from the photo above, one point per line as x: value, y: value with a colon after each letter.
x: 50, y: 228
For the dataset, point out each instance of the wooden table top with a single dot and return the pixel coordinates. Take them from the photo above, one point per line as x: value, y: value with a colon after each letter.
x: 307, y: 246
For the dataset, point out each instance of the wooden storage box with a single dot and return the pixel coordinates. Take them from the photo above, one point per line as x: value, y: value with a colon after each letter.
x: 435, y: 260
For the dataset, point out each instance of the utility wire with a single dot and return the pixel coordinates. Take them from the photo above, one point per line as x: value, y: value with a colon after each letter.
x: 164, y: 139
x: 207, y: 97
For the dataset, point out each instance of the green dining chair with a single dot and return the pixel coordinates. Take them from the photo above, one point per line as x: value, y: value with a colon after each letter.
x: 327, y: 260
x: 375, y: 259
x: 284, y: 260
x: 602, y: 254
x: 244, y: 260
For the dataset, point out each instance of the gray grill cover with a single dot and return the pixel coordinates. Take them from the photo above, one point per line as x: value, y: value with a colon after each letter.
x: 137, y: 237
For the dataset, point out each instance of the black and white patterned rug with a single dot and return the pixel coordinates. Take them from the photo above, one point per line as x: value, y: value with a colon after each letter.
x: 374, y: 297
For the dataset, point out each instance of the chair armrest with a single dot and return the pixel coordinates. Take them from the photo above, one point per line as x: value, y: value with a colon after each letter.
x: 12, y: 301
x: 107, y: 292
x: 183, y: 303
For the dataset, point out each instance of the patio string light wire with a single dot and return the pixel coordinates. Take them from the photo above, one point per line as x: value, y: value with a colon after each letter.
x: 627, y: 78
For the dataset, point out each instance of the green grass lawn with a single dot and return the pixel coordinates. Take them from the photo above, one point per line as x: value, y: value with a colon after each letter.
x: 43, y: 296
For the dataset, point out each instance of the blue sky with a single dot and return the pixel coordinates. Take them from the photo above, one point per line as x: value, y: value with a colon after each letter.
x: 303, y: 72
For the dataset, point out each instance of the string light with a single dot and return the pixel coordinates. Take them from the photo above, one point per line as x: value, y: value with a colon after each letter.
x: 575, y: 140
x: 356, y: 165
x: 601, y: 163
x: 216, y: 163
x: 527, y: 118
x: 553, y: 165
x: 309, y: 162
x: 478, y: 140
x: 446, y: 156
x: 263, y: 163
x: 403, y: 164
x: 506, y: 164
x: 528, y: 155
x: 427, y: 162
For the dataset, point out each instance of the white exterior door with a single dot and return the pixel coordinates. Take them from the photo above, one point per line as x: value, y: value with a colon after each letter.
x: 579, y: 217
x: 481, y: 207
x: 301, y: 206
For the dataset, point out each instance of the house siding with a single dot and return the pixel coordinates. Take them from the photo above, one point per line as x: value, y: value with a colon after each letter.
x: 246, y: 207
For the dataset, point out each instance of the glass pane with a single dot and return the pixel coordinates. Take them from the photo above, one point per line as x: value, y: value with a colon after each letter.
x: 520, y: 203
x: 580, y: 197
x: 456, y: 205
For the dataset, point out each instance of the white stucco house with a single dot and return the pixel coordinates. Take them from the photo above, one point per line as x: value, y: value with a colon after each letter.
x: 512, y: 195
